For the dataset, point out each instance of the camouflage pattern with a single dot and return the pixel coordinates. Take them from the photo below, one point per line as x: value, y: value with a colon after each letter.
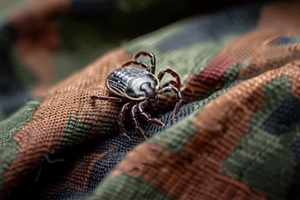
x: 235, y: 137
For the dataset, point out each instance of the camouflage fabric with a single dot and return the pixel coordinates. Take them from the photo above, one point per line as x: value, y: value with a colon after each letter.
x: 235, y: 137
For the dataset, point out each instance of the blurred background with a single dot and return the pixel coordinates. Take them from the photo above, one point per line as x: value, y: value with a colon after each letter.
x: 42, y: 42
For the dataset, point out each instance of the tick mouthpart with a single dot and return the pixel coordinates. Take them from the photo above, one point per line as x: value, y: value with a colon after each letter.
x: 149, y: 91
x: 153, y: 100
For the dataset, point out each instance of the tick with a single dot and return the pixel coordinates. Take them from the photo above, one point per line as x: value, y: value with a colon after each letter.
x: 136, y: 85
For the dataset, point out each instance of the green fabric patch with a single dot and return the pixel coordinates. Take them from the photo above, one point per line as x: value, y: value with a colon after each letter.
x: 232, y: 73
x: 76, y: 129
x: 14, y: 123
x: 8, y: 128
x: 126, y: 187
x: 262, y: 159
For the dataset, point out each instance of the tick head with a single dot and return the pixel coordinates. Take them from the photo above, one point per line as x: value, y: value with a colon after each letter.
x: 142, y: 88
x: 151, y: 92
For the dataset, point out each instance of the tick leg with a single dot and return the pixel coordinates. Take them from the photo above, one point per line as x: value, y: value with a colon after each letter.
x: 96, y: 97
x: 146, y: 116
x: 136, y: 62
x: 170, y: 71
x: 178, y: 96
x: 152, y: 57
x: 171, y: 82
x: 136, y: 123
x: 121, y: 120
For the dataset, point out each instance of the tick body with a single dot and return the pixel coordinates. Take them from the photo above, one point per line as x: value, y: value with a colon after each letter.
x: 136, y: 85
x: 133, y: 83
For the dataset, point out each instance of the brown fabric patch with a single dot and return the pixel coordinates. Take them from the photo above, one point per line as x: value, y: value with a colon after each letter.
x: 46, y: 130
x: 295, y: 81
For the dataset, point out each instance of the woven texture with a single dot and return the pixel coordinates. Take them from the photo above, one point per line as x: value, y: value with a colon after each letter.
x: 235, y: 137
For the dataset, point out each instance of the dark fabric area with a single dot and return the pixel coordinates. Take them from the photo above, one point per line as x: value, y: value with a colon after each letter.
x: 284, y: 120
